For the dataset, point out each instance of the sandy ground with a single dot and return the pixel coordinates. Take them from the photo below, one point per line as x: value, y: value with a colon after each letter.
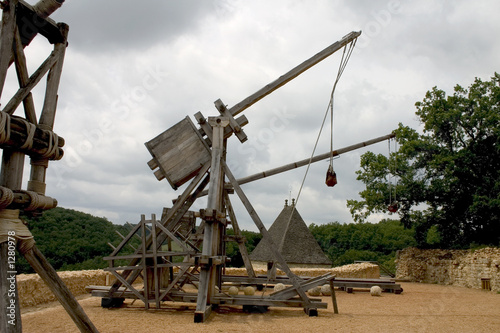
x: 420, y: 308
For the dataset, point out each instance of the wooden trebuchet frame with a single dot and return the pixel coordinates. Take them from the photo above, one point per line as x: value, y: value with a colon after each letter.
x: 33, y: 136
x: 197, y: 156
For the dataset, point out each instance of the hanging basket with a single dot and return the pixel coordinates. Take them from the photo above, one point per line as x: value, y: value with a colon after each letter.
x: 331, y: 177
x: 393, y: 207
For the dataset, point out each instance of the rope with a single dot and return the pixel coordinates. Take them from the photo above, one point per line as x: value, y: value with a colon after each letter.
x: 342, y: 66
x: 13, y: 227
x: 6, y: 197
x: 30, y: 129
x: 4, y: 127
x: 52, y: 149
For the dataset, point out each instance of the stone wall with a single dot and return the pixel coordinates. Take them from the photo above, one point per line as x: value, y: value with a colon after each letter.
x: 456, y: 267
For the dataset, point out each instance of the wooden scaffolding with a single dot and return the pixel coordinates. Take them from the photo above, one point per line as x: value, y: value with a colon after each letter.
x: 33, y: 136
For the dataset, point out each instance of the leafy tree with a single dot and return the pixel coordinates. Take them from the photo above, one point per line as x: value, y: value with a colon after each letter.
x: 448, y: 175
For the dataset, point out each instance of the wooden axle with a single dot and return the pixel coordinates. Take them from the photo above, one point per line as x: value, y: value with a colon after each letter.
x: 25, y: 200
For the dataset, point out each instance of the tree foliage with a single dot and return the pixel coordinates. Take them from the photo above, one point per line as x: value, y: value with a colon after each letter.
x: 72, y: 240
x: 345, y: 243
x: 448, y: 175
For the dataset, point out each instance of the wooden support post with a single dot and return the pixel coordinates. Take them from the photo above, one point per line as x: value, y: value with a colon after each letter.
x: 212, y: 239
x: 156, y: 278
x: 334, y: 298
x: 266, y: 236
x: 48, y: 274
x: 145, y: 275
x: 48, y: 114
x: 6, y: 38
x: 237, y: 232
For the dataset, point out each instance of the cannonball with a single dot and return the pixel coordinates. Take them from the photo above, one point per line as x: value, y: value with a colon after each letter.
x: 233, y: 290
x: 279, y: 287
x: 375, y: 291
x: 316, y: 291
x: 326, y: 290
x: 249, y: 291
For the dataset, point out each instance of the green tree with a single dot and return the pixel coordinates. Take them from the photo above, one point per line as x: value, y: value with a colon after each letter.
x: 448, y: 175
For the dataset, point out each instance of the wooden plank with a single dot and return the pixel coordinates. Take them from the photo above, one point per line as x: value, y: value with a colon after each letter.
x: 57, y: 286
x: 179, y: 152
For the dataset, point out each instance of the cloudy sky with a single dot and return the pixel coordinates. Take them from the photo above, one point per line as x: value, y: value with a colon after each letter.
x: 135, y: 68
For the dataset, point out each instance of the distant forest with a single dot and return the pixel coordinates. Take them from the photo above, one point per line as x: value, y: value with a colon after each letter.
x: 72, y: 240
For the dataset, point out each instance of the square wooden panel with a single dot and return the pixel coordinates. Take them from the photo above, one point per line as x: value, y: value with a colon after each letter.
x: 180, y: 152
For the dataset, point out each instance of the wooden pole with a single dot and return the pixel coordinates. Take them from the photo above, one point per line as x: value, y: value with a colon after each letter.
x: 314, y: 159
x: 48, y: 274
x: 237, y: 232
x: 212, y: 239
x: 6, y: 38
x: 293, y: 73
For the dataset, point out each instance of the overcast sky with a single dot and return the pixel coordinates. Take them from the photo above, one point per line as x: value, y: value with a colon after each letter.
x: 135, y: 68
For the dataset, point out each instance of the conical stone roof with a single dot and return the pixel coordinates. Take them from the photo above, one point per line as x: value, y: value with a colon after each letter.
x: 294, y: 240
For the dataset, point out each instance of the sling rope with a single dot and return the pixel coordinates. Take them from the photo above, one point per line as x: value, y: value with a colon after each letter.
x: 329, y: 110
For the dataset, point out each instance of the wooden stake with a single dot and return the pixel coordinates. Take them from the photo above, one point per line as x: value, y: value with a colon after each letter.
x: 48, y: 274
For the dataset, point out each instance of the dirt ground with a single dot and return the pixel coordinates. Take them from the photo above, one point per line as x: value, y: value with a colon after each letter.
x: 420, y: 308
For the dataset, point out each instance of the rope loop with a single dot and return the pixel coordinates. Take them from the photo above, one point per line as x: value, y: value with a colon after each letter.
x: 35, y: 201
x: 52, y: 149
x: 30, y: 130
x: 6, y: 197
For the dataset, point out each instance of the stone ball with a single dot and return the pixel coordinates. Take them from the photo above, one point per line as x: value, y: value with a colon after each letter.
x: 279, y: 287
x: 375, y: 291
x: 233, y: 290
x: 326, y: 290
x: 316, y: 291
x: 249, y: 291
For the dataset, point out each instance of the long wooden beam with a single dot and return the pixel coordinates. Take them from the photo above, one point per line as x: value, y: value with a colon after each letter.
x: 313, y: 159
x: 293, y: 73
